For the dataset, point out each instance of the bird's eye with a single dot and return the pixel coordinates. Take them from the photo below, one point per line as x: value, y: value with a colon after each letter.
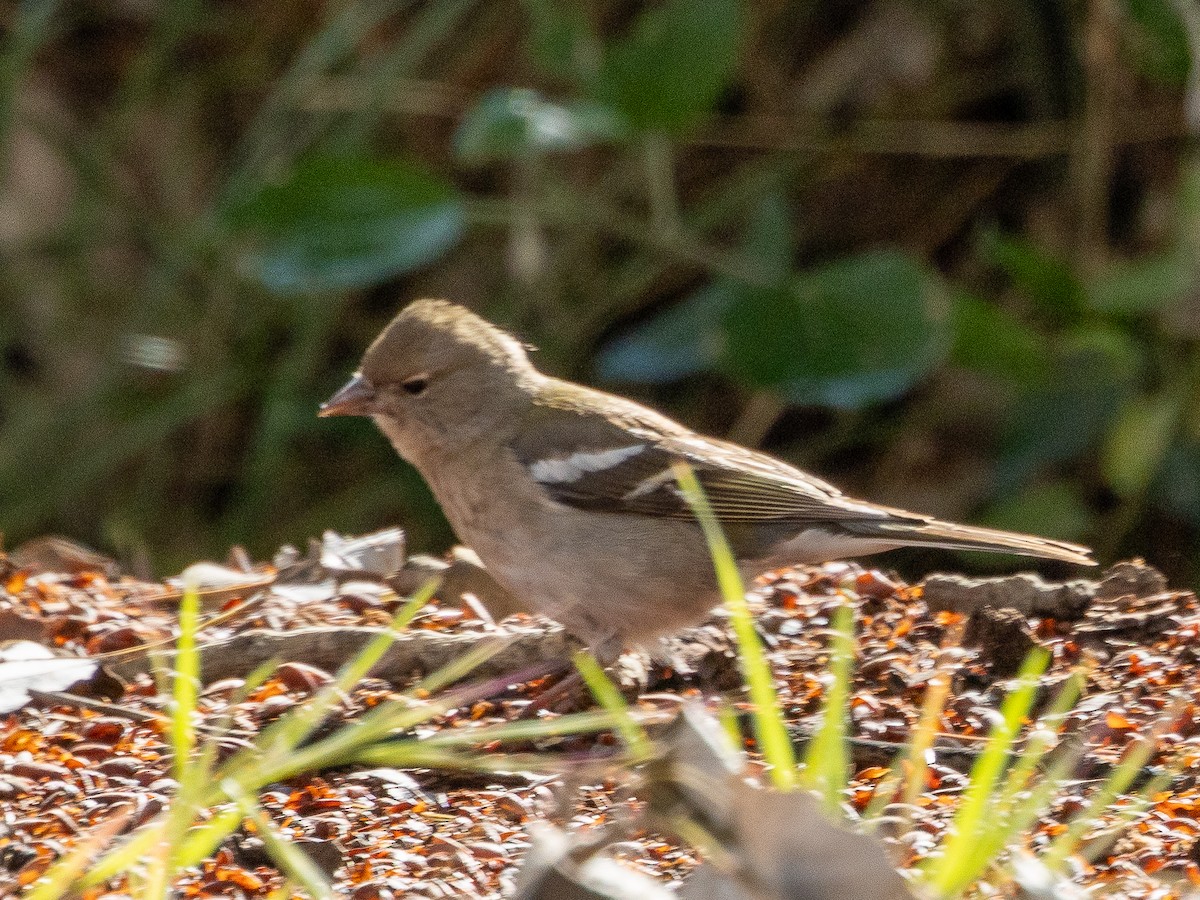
x: 415, y: 385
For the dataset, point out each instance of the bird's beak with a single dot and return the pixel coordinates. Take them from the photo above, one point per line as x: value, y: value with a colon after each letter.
x: 356, y: 398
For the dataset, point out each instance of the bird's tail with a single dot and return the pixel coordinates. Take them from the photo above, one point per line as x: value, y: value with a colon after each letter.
x: 948, y: 535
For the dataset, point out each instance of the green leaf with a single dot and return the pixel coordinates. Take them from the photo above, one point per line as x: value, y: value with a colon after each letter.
x: 859, y: 331
x: 1043, y: 278
x: 685, y: 340
x: 672, y: 67
x: 1177, y: 488
x: 511, y: 122
x: 1188, y: 226
x: 769, y: 238
x: 1138, y: 442
x: 1158, y: 40
x: 1068, y: 415
x: 1055, y: 510
x: 560, y: 41
x: 689, y: 338
x: 990, y: 339
x: 337, y: 223
x: 1142, y: 285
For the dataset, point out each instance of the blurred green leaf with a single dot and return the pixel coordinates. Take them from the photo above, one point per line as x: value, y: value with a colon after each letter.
x: 685, y: 340
x: 671, y: 68
x: 1124, y: 356
x: 510, y: 122
x: 689, y: 338
x: 1158, y: 40
x: 560, y: 40
x: 1177, y: 488
x: 858, y: 331
x: 1056, y: 510
x: 1067, y: 416
x: 990, y: 339
x: 1138, y: 442
x: 1041, y: 277
x: 338, y: 223
x: 769, y: 239
x: 1188, y: 202
x: 855, y: 332
x: 1142, y: 286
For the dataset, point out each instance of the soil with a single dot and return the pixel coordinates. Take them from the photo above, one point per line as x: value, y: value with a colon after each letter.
x: 67, y: 766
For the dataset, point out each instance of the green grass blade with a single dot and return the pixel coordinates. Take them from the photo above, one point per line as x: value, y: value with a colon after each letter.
x: 58, y: 880
x: 530, y: 730
x: 925, y: 734
x: 461, y: 666
x: 1122, y: 776
x: 608, y: 695
x: 1101, y: 844
x: 1040, y: 741
x: 728, y: 718
x: 291, y: 860
x: 412, y: 755
x: 827, y: 761
x: 202, y: 841
x: 908, y: 767
x: 281, y: 738
x: 373, y: 733
x: 125, y: 857
x: 962, y: 858
x: 1017, y: 805
x: 769, y: 727
x: 1009, y: 829
x: 186, y: 688
x: 190, y: 773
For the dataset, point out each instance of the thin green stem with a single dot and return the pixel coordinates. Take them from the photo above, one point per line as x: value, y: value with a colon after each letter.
x: 770, y: 730
x: 660, y: 183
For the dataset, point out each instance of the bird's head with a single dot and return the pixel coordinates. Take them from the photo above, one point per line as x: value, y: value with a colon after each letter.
x: 437, y: 374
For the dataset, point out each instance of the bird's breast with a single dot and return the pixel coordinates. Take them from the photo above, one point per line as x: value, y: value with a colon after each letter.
x: 598, y: 573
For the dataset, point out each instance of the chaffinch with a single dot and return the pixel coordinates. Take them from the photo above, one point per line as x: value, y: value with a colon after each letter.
x: 567, y: 493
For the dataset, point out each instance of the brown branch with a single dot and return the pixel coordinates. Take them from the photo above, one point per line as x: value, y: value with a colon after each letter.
x: 948, y: 139
x: 416, y: 652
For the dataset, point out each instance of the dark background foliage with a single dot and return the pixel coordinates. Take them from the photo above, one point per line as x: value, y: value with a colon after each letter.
x: 943, y: 252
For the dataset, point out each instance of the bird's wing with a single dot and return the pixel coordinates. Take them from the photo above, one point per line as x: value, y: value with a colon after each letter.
x: 622, y: 463
x: 624, y: 466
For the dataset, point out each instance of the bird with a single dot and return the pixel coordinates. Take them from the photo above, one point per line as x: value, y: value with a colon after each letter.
x: 569, y: 497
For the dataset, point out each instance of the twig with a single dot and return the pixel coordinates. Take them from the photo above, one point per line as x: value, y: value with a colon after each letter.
x: 936, y: 139
x: 757, y: 418
x: 1095, y: 139
x: 328, y: 648
x: 65, y: 698
x: 660, y: 183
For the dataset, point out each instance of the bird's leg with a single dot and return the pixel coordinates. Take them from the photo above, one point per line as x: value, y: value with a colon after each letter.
x: 568, y: 687
x: 571, y: 687
x: 608, y: 649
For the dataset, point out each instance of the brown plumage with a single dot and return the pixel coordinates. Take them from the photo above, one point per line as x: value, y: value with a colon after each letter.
x: 566, y: 492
